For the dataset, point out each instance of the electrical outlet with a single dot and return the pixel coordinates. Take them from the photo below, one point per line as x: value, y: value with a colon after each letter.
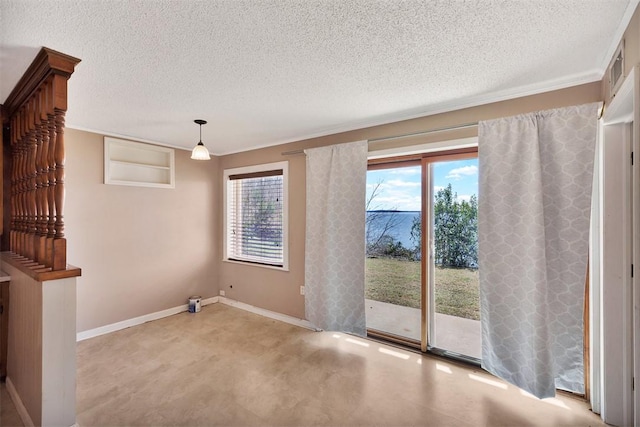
x: 222, y: 293
x: 302, y: 290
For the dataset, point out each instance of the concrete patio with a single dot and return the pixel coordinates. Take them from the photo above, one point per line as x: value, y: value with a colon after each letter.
x: 452, y: 333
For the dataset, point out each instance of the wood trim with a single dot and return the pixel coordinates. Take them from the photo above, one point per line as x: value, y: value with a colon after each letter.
x: 468, y: 153
x: 37, y: 271
x: 386, y: 336
x: 416, y: 159
x: 424, y: 263
x: 260, y: 174
x: 393, y: 162
x: 46, y: 63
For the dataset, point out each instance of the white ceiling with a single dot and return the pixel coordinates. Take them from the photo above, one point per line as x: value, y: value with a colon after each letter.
x: 264, y: 72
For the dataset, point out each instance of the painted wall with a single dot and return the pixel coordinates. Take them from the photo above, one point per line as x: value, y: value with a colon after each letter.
x: 141, y: 249
x: 24, y: 352
x: 280, y: 291
x: 41, y: 357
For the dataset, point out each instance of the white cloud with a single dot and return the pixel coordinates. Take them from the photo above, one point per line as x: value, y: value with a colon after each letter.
x: 400, y: 183
x: 464, y: 197
x: 400, y: 197
x: 406, y: 171
x: 459, y: 173
x: 401, y: 191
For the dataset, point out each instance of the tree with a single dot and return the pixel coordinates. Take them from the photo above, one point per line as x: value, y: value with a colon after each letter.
x: 379, y: 225
x: 416, y: 236
x: 455, y: 229
x: 261, y: 215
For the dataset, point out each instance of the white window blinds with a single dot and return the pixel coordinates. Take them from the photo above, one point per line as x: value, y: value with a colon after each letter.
x: 255, y: 217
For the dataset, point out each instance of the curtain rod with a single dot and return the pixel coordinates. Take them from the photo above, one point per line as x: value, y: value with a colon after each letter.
x: 406, y: 135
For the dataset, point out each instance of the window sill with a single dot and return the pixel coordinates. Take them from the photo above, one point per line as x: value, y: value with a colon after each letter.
x: 253, y: 264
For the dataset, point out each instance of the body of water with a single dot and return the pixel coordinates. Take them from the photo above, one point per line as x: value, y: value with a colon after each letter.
x: 402, y: 220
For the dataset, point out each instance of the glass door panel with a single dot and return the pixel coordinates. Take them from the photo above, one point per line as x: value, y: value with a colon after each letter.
x: 393, y: 284
x: 454, y: 302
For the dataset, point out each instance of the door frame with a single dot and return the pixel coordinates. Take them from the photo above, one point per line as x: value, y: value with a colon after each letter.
x: 616, y: 342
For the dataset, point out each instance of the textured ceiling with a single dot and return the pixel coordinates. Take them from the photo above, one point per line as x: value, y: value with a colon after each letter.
x: 266, y: 72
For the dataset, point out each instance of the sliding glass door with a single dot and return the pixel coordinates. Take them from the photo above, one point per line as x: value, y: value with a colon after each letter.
x: 421, y: 267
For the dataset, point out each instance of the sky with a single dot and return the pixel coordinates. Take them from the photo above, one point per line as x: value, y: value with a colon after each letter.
x: 399, y: 188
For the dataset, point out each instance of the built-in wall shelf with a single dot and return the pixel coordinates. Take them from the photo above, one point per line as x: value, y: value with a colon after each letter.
x: 134, y: 163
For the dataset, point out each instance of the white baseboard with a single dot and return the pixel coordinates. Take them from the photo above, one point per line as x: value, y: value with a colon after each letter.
x: 80, y: 336
x: 84, y: 335
x: 268, y: 313
x: 17, y: 402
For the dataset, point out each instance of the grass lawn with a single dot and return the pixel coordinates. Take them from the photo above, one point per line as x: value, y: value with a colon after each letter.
x: 398, y: 282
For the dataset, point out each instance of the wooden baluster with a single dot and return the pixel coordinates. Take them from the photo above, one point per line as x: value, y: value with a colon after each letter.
x: 59, y: 162
x: 14, y: 184
x: 51, y: 220
x: 27, y: 158
x: 60, y: 243
x: 43, y: 181
x: 21, y: 183
x: 36, y: 179
x: 24, y: 141
x: 21, y: 187
x: 50, y: 177
x: 31, y: 180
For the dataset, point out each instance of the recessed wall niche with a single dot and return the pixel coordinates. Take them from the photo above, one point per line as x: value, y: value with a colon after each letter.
x: 138, y: 164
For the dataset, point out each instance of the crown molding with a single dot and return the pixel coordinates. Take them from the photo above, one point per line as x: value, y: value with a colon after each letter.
x: 46, y: 63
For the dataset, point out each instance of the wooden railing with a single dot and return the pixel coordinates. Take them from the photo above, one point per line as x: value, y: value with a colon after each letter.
x: 35, y: 112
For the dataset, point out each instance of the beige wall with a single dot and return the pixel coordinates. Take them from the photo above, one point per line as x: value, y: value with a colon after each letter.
x: 280, y: 291
x: 41, y: 356
x: 24, y: 352
x: 141, y: 249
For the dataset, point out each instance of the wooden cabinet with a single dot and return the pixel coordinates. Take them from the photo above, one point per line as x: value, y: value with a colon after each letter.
x: 4, y: 323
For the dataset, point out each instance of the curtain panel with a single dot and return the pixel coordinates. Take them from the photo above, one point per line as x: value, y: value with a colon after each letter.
x: 533, y: 233
x: 335, y: 237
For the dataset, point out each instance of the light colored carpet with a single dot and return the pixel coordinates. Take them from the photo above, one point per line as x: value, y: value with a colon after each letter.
x: 225, y: 366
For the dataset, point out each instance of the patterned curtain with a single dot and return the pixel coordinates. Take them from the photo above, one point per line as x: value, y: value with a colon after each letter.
x: 335, y: 234
x: 533, y: 231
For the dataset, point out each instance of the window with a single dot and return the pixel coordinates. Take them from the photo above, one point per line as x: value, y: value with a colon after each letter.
x: 256, y: 206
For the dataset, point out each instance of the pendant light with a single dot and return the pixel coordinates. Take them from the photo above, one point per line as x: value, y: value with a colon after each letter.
x: 200, y: 152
